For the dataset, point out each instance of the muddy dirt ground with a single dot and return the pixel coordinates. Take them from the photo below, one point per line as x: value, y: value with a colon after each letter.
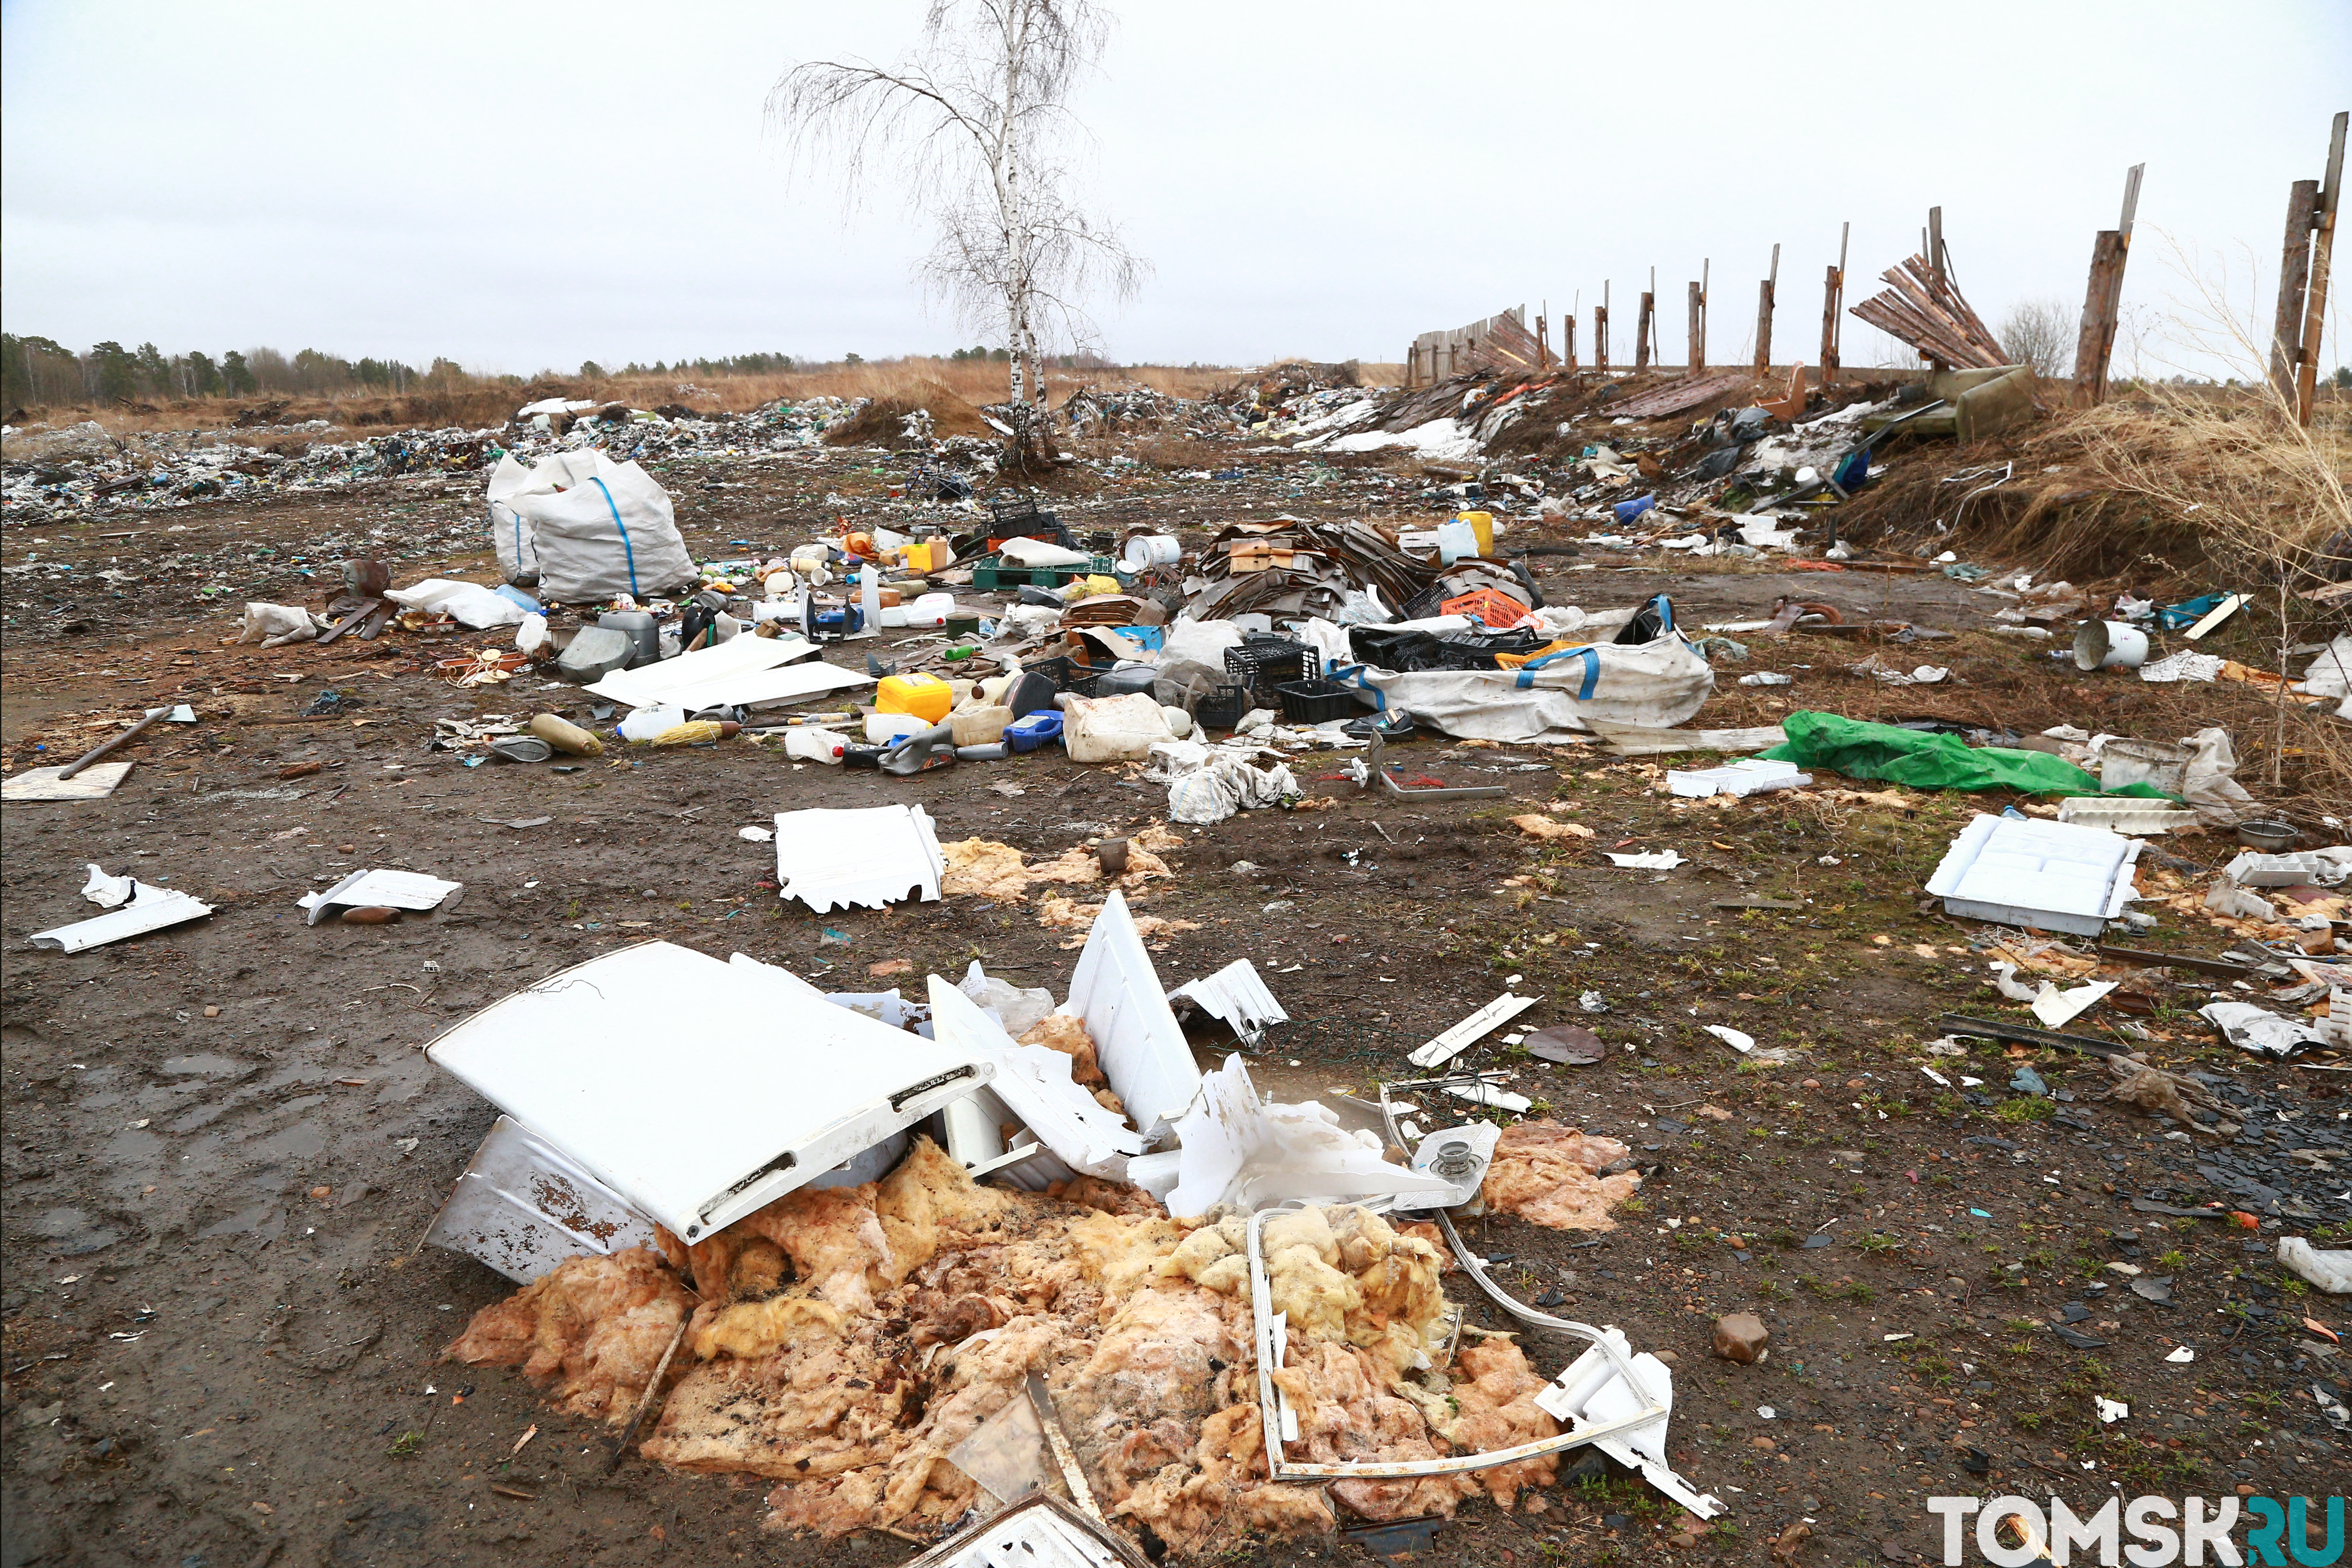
x: 223, y: 1143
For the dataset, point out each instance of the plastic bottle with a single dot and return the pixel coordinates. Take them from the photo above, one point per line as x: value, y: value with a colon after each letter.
x: 647, y: 723
x: 813, y: 745
x: 883, y: 729
x: 978, y: 726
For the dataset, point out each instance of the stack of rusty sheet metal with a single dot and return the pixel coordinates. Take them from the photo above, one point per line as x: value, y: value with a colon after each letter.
x: 1292, y: 568
x: 1930, y: 314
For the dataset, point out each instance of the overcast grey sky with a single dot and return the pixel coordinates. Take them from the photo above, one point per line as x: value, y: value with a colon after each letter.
x: 522, y: 186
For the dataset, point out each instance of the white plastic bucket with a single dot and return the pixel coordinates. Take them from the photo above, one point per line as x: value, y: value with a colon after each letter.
x: 2109, y: 644
x: 1146, y: 551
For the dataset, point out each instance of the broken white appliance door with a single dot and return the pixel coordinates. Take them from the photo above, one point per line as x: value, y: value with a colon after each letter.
x: 696, y: 1089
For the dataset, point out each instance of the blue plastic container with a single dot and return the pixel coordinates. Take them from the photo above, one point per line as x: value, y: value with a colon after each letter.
x: 1028, y: 734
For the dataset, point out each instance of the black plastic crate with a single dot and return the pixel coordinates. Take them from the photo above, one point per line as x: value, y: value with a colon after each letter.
x: 1263, y: 661
x: 1317, y: 701
x: 1222, y: 708
x: 1067, y: 673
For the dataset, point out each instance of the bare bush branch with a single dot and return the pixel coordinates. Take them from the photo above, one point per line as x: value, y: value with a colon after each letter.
x: 976, y: 120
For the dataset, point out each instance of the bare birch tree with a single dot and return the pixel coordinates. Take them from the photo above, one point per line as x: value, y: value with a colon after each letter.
x: 977, y: 116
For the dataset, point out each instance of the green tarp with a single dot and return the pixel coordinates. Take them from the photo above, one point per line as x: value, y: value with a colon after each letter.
x: 1862, y: 750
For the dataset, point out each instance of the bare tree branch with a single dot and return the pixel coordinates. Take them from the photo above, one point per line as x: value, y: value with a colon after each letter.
x: 976, y: 120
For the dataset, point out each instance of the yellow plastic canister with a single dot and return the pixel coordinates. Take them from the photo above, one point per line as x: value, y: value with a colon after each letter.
x: 1481, y: 523
x: 927, y: 697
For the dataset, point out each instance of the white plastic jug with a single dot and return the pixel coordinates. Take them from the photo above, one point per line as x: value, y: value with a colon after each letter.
x: 647, y: 723
x: 881, y: 729
x: 1455, y: 540
x: 812, y: 745
x: 930, y: 610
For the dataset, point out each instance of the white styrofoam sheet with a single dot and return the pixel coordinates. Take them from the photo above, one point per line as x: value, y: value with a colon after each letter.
x: 1749, y: 775
x: 379, y: 888
x: 699, y: 1090
x: 2053, y: 875
x: 1116, y: 992
x: 869, y: 855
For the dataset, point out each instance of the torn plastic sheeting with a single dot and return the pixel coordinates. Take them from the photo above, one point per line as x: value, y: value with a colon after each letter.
x: 2052, y: 876
x: 1646, y: 1410
x: 2255, y: 1030
x: 871, y: 856
x: 379, y: 888
x: 1862, y: 750
x: 1471, y: 1029
x: 629, y: 1064
x: 1238, y: 1151
x: 1653, y: 685
x: 1748, y: 776
x: 1237, y: 996
x: 1658, y: 860
x: 149, y: 908
x: 521, y: 1206
x: 1140, y: 1047
x: 470, y: 604
x: 1034, y: 1085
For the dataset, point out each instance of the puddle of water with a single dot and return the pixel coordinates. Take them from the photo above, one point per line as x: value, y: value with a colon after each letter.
x: 76, y: 1231
x: 208, y: 1064
x: 265, y: 1218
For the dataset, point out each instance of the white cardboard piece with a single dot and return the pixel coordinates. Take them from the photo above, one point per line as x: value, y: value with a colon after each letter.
x: 639, y: 1065
x: 95, y: 782
x: 2053, y: 875
x: 871, y: 856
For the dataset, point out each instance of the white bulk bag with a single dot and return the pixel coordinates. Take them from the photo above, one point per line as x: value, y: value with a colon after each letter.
x: 1655, y: 685
x: 590, y: 528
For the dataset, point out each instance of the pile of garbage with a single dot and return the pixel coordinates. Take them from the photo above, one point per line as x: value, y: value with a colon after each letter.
x: 84, y: 468
x: 910, y: 1267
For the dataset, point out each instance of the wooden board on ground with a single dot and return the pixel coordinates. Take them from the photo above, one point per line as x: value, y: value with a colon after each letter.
x: 95, y: 782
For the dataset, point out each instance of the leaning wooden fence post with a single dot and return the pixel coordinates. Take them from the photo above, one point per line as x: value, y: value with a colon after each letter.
x: 1764, y: 315
x: 2102, y: 299
x: 2295, y: 276
x: 1833, y: 296
x: 2314, y: 310
x: 1601, y: 330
